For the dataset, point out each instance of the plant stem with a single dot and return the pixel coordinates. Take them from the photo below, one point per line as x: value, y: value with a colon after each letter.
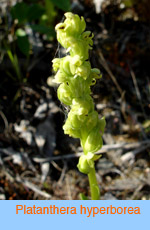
x: 95, y: 191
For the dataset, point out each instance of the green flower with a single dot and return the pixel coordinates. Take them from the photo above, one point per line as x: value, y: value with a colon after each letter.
x: 56, y: 64
x: 77, y: 121
x: 94, y: 141
x: 70, y: 130
x: 86, y: 162
x: 71, y: 28
x: 65, y: 94
x: 84, y: 70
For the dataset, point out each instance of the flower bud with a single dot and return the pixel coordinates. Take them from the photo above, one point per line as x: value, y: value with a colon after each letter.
x: 79, y: 87
x: 56, y: 63
x: 85, y: 163
x: 79, y: 47
x: 82, y: 105
x: 68, y: 129
x: 62, y: 36
x: 65, y: 65
x: 87, y: 37
x: 84, y: 70
x: 60, y: 77
x: 75, y: 63
x: 93, y: 142
x: 65, y: 94
x: 74, y: 25
x: 95, y: 73
x: 76, y: 120
x: 92, y: 120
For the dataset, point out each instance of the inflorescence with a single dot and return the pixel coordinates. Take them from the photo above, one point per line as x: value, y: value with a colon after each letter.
x: 75, y: 77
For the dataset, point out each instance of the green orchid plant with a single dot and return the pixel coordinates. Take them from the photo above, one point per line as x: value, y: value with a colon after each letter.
x: 75, y: 76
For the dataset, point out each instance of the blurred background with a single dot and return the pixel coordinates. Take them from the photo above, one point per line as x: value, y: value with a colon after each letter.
x: 37, y: 161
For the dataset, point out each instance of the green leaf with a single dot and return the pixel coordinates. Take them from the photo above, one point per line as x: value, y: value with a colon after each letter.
x: 20, y: 11
x: 83, y: 197
x: 43, y: 29
x: 35, y: 11
x: 62, y: 4
x: 24, y: 12
x: 96, y: 157
x: 15, y: 63
x: 22, y: 41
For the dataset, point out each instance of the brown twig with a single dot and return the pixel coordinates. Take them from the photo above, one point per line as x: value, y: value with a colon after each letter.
x: 106, y: 67
x: 33, y: 187
x: 131, y: 155
x: 137, y: 91
x: 104, y: 149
